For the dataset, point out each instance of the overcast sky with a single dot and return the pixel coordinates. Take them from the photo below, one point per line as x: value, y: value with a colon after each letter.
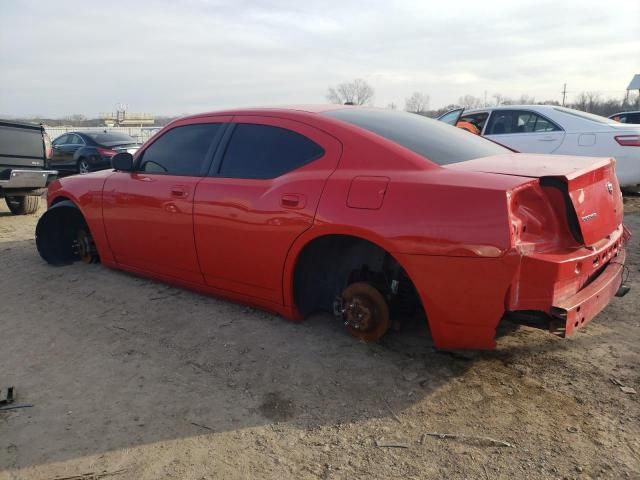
x: 63, y: 57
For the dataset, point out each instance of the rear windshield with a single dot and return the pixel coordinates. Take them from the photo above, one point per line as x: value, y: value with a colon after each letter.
x: 102, y: 137
x: 434, y: 140
x: 584, y: 115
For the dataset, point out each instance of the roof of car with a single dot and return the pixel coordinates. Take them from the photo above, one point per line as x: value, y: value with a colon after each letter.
x: 275, y: 109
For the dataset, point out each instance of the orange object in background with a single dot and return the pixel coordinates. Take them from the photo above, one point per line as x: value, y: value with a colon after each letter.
x: 469, y: 127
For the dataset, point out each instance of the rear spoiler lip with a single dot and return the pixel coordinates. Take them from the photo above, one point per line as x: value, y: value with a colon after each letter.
x: 540, y: 168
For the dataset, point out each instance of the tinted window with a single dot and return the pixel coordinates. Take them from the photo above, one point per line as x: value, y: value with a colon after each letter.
x: 263, y: 151
x: 75, y: 140
x: 61, y: 140
x: 105, y: 137
x: 434, y: 140
x: 180, y: 151
x: 632, y: 118
x: 518, y: 121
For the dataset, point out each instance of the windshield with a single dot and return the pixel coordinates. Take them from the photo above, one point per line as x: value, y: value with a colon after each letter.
x: 432, y: 139
x: 585, y: 115
x: 110, y: 137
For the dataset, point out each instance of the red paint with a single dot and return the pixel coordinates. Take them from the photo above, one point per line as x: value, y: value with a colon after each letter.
x: 477, y: 238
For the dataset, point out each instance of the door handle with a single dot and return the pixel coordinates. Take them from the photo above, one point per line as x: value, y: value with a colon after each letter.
x: 292, y: 200
x: 179, y: 191
x: 547, y: 139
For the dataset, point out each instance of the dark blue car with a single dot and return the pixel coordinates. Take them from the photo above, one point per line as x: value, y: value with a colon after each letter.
x: 83, y: 152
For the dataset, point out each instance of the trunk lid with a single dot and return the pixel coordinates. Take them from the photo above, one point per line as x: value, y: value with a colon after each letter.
x: 588, y: 184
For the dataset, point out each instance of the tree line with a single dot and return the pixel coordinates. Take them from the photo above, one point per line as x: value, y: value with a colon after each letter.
x: 359, y: 92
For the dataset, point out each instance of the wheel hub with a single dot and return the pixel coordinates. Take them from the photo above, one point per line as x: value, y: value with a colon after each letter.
x: 85, y: 247
x: 364, y: 311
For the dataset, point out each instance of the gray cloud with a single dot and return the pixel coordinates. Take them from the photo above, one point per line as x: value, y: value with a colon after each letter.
x: 166, y: 57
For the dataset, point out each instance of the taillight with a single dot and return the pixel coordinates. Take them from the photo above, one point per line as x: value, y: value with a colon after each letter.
x: 628, y: 140
x: 106, y: 152
x: 48, y: 151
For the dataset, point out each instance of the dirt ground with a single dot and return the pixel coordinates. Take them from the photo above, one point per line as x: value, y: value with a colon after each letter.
x: 132, y: 379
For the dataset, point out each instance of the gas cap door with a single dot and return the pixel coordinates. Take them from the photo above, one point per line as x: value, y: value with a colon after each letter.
x: 367, y: 192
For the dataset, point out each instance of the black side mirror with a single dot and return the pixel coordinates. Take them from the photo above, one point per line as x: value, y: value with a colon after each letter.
x: 122, y: 162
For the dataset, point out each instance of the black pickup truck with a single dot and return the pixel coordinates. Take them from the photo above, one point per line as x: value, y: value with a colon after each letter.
x: 25, y: 150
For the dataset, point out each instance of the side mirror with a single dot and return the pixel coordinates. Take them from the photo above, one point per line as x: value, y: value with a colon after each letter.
x: 122, y: 162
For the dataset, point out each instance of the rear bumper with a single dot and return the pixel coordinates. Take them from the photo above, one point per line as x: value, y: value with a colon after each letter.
x: 572, y: 313
x: 25, y: 179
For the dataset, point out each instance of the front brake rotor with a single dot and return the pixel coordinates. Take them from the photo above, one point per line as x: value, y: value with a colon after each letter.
x: 365, y: 311
x: 85, y: 247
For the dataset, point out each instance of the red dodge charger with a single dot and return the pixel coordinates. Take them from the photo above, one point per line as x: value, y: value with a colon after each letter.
x: 375, y: 215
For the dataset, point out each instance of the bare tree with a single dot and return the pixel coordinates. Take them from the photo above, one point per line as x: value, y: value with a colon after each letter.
x: 587, y: 101
x: 417, y: 103
x: 500, y: 99
x: 526, y: 100
x: 469, y: 101
x: 357, y: 92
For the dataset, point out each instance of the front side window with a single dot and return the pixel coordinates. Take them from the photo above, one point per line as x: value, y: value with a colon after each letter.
x: 180, y: 151
x: 61, y: 140
x: 264, y: 151
x: 518, y: 121
x: 476, y: 119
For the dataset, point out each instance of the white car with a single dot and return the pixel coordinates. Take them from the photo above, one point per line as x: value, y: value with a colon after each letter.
x: 557, y: 130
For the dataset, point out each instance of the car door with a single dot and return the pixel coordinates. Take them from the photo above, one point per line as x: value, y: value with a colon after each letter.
x: 524, y: 131
x: 58, y: 151
x: 262, y: 193
x: 148, y: 213
x: 74, y: 143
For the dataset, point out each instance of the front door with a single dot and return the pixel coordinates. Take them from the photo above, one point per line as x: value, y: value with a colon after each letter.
x: 61, y: 152
x: 524, y: 131
x: 148, y: 213
x: 260, y: 196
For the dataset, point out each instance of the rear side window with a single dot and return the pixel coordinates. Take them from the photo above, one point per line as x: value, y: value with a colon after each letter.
x: 432, y: 139
x: 180, y: 151
x: 632, y: 118
x: 75, y: 140
x: 264, y: 151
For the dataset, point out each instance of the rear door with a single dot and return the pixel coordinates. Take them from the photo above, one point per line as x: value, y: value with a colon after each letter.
x: 524, y: 131
x: 262, y: 193
x: 74, y: 143
x: 148, y: 213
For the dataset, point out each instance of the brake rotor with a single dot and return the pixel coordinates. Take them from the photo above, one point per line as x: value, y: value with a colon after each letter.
x: 365, y: 311
x: 85, y: 246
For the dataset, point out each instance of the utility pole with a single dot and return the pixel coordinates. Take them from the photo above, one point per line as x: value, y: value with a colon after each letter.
x: 564, y: 93
x: 485, y: 99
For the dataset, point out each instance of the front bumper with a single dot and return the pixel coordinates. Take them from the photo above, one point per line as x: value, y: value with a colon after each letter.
x: 25, y: 179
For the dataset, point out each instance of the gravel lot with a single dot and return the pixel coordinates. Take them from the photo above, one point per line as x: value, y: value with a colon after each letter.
x: 132, y: 379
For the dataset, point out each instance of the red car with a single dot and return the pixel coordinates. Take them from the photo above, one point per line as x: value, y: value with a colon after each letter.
x: 373, y: 214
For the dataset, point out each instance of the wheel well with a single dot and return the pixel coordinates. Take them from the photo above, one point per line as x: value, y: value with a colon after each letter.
x: 57, y: 230
x: 327, y: 264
